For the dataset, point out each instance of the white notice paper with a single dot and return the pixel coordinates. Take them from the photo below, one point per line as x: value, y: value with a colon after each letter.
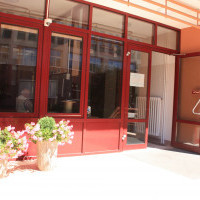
x: 136, y: 80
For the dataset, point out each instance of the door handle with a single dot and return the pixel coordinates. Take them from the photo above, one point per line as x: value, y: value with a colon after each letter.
x: 123, y: 137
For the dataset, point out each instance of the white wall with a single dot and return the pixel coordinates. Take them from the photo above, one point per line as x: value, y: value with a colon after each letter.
x: 162, y: 85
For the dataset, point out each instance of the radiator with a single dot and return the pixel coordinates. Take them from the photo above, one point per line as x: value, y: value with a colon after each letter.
x: 155, y: 115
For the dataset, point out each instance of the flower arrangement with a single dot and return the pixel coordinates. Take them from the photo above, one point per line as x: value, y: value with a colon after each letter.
x: 12, y: 144
x: 46, y: 129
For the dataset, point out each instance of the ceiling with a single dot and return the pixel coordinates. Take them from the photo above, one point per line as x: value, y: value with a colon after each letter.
x: 182, y: 22
x: 192, y: 3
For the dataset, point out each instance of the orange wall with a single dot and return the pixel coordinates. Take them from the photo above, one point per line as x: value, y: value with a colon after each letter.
x: 190, y: 40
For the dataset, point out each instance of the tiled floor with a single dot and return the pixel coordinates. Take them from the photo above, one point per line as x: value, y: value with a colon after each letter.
x: 150, y: 173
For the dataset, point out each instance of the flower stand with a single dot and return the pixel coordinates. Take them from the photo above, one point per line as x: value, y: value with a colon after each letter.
x: 3, y: 167
x: 46, y: 155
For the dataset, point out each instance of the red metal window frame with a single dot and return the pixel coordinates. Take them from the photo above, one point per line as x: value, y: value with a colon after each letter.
x: 39, y: 27
x: 175, y: 112
x: 45, y: 70
x: 126, y: 15
x: 86, y: 33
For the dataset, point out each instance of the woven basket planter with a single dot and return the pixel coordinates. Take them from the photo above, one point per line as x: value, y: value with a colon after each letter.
x: 46, y: 155
x: 3, y: 168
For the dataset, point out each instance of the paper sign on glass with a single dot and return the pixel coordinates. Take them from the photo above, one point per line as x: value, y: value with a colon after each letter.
x: 136, y: 80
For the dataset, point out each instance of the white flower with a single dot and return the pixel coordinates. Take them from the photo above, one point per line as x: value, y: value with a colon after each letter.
x: 32, y: 123
x: 9, y: 128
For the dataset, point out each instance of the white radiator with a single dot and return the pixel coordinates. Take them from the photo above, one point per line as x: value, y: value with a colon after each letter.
x: 155, y: 115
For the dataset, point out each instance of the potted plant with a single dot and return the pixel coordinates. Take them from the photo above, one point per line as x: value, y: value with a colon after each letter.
x: 48, y: 134
x: 12, y: 145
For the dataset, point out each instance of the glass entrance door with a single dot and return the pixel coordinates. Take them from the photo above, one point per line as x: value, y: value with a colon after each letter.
x: 137, y: 99
x: 186, y: 133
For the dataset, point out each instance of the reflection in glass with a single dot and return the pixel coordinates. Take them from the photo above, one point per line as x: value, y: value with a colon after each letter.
x: 136, y: 133
x: 140, y: 31
x: 188, y: 134
x: 189, y: 81
x: 107, y: 22
x: 138, y: 85
x: 70, y: 13
x: 18, y: 58
x: 34, y: 9
x: 166, y: 38
x: 105, y: 80
x: 65, y: 74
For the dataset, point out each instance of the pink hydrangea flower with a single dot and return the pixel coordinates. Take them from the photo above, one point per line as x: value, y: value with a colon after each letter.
x: 62, y: 136
x: 71, y: 133
x: 9, y: 128
x: 32, y: 123
x: 54, y: 137
x: 69, y: 142
x: 19, y: 141
x: 16, y: 136
x: 40, y: 139
x: 13, y: 151
x: 34, y: 137
x: 37, y: 127
x: 32, y: 132
x: 10, y: 144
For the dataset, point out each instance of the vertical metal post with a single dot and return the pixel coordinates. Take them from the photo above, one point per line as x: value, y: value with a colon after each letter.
x: 47, y: 9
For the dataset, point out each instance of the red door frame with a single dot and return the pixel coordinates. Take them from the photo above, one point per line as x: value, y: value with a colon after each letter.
x: 28, y: 24
x: 126, y: 120
x: 175, y: 112
x: 45, y: 70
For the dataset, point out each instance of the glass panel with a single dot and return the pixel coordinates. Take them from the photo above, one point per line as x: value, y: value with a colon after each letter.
x: 140, y: 31
x: 107, y: 22
x: 188, y: 82
x: 105, y: 80
x: 166, y: 38
x: 136, y: 133
x: 188, y: 134
x: 18, y: 59
x: 70, y: 13
x: 34, y: 9
x: 138, y: 85
x: 65, y: 74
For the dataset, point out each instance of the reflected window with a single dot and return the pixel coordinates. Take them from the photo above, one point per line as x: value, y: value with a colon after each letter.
x: 167, y: 38
x: 136, y: 133
x: 18, y: 58
x: 33, y: 9
x: 138, y: 85
x: 70, y: 13
x: 105, y: 79
x: 65, y: 74
x: 140, y: 31
x: 107, y: 22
